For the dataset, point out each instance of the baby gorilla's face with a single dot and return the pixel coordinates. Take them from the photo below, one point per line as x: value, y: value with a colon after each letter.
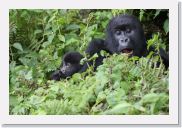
x: 55, y: 75
x: 70, y: 64
x: 68, y: 69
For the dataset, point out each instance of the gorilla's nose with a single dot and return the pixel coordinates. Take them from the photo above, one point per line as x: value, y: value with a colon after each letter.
x: 125, y: 40
x: 63, y: 70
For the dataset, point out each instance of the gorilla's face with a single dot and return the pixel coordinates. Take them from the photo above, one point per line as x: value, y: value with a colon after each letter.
x: 125, y: 35
x: 68, y: 69
x: 70, y: 64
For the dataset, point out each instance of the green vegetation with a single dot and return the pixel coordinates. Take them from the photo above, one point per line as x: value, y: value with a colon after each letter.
x: 122, y: 85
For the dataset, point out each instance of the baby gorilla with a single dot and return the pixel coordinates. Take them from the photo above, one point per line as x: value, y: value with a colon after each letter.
x: 70, y: 65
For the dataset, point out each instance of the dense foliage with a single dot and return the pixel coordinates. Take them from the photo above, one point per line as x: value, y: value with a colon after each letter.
x: 122, y: 85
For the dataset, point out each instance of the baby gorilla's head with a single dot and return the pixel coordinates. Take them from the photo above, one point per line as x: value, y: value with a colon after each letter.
x: 70, y: 65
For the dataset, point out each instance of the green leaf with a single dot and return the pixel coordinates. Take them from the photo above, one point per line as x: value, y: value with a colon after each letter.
x: 76, y: 77
x: 37, y: 31
x: 166, y: 26
x: 139, y: 107
x: 61, y: 38
x: 29, y: 76
x: 101, y: 96
x: 45, y: 44
x: 50, y: 38
x: 18, y: 46
x: 13, y: 100
x: 55, y: 56
x: 52, y: 18
x: 71, y: 41
x: 122, y: 108
x: 141, y: 14
x: 95, y: 56
x: 157, y: 13
x: 115, y: 97
x: 153, y: 41
x: 36, y: 99
x: 72, y: 27
x: 136, y: 71
x: 150, y: 98
x: 54, y: 88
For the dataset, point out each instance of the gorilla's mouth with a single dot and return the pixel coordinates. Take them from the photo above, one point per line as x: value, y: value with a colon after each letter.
x: 127, y: 51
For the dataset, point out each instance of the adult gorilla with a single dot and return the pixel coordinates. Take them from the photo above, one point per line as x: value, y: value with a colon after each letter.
x: 124, y: 34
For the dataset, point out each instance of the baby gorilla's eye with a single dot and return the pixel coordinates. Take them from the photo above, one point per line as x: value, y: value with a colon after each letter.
x: 118, y: 32
x: 68, y: 64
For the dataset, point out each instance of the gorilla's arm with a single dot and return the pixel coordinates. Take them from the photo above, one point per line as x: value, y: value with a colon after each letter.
x: 165, y: 57
x: 95, y: 46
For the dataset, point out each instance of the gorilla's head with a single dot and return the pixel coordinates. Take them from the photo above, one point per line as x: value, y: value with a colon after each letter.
x: 70, y: 64
x: 125, y: 35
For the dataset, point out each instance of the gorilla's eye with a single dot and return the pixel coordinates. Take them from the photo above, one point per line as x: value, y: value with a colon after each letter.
x: 128, y: 30
x: 118, y: 32
x: 68, y: 64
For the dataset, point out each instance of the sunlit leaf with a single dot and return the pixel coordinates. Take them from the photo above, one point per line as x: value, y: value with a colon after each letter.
x: 18, y: 46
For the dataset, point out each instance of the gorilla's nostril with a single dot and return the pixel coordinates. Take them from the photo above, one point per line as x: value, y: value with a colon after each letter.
x: 126, y: 40
x: 63, y: 71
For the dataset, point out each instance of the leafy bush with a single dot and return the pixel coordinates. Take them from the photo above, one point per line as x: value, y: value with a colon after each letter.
x: 39, y: 38
x: 118, y: 87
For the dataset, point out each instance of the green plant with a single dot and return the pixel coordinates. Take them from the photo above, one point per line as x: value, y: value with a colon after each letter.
x: 122, y: 85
